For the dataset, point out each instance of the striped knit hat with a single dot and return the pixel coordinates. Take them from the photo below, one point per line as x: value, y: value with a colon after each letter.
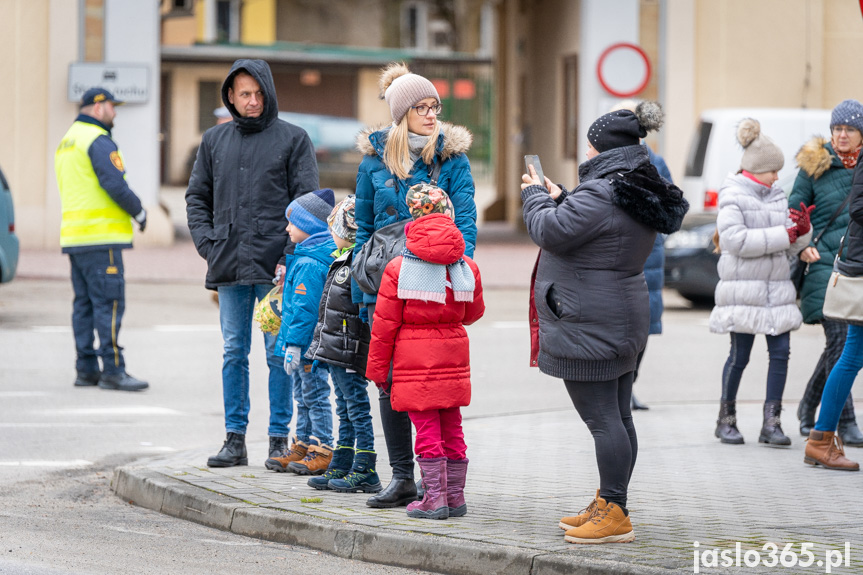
x: 309, y: 212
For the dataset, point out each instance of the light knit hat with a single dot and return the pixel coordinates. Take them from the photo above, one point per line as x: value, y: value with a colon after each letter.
x: 760, y: 153
x: 401, y: 89
x: 342, y: 220
x: 848, y: 113
x: 309, y: 212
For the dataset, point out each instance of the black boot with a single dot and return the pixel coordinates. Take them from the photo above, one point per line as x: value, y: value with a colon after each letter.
x: 278, y: 447
x: 771, y: 430
x: 400, y: 491
x: 122, y: 382
x: 86, y: 379
x: 636, y: 405
x: 807, y: 419
x: 850, y: 433
x: 726, y: 425
x: 233, y: 452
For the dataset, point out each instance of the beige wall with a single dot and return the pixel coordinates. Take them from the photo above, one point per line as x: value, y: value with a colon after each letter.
x: 37, y: 43
x: 179, y: 30
x: 341, y: 22
x: 371, y: 110
x: 183, y: 130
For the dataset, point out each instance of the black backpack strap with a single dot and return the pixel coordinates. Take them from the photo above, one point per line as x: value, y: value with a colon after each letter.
x: 434, y: 172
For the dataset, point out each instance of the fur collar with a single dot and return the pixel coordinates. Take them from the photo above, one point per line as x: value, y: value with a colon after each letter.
x: 816, y: 156
x: 649, y: 199
x: 456, y: 140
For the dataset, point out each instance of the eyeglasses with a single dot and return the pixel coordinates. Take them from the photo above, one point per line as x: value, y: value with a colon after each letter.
x: 847, y: 129
x: 423, y: 110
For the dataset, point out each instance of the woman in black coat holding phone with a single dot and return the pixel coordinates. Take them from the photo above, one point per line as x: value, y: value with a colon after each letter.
x: 589, y: 298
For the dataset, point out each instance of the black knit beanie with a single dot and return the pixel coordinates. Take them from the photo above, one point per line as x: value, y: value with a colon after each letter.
x: 615, y: 130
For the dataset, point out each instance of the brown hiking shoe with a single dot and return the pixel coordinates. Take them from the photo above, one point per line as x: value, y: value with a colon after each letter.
x: 824, y: 448
x: 295, y: 453
x: 316, y: 461
x: 609, y: 524
x: 568, y: 523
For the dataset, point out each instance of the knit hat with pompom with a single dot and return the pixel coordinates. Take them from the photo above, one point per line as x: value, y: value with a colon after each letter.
x: 401, y: 89
x: 624, y: 127
x: 760, y: 153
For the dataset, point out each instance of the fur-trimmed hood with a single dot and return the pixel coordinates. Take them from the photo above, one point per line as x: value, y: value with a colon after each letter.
x: 816, y: 156
x: 453, y: 140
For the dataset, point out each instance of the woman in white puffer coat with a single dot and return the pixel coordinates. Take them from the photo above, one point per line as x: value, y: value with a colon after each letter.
x: 757, y: 236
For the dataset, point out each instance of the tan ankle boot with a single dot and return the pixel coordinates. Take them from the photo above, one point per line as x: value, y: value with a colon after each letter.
x: 609, y: 524
x: 316, y: 461
x: 568, y: 523
x: 824, y: 448
x: 295, y: 453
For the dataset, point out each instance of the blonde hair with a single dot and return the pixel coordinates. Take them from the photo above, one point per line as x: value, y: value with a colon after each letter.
x: 397, y: 153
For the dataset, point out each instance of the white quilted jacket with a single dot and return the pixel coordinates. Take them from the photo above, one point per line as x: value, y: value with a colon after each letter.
x: 755, y: 293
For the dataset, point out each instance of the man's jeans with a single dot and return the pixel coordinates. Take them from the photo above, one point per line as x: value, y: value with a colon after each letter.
x: 236, y: 307
x: 353, y: 409
x: 97, y: 280
x: 314, y: 412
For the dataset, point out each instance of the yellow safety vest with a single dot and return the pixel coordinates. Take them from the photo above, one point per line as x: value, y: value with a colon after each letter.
x: 90, y: 216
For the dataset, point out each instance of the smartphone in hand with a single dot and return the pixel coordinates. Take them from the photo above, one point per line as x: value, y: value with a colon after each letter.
x: 533, y: 160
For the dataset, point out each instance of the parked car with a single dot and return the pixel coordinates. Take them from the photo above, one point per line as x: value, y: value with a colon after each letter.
x: 690, y: 264
x: 715, y: 152
x: 8, y: 239
x: 334, y: 139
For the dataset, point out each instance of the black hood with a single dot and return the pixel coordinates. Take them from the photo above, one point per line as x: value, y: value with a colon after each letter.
x: 260, y: 71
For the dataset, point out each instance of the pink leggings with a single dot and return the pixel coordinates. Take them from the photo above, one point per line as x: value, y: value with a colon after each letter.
x: 439, y: 433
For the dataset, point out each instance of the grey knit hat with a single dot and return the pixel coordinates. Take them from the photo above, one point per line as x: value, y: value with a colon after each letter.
x: 848, y: 113
x: 760, y: 153
x: 401, y: 89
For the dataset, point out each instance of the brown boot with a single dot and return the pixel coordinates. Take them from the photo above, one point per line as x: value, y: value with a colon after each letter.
x: 295, y: 453
x: 568, y: 523
x: 609, y: 524
x: 824, y: 448
x: 316, y: 461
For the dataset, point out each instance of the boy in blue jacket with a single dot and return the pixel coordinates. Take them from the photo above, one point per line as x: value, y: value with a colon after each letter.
x: 341, y: 342
x: 304, y: 285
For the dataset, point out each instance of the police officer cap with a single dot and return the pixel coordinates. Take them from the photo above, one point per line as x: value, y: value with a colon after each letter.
x: 96, y: 95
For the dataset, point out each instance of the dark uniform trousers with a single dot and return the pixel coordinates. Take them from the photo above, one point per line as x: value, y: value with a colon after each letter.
x: 97, y: 279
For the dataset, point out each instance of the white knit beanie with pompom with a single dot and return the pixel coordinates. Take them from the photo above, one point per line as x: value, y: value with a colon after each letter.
x: 401, y: 89
x: 760, y: 153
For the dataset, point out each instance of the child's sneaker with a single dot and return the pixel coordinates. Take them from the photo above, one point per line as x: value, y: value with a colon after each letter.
x: 362, y: 477
x: 316, y: 461
x: 295, y: 453
x: 339, y: 467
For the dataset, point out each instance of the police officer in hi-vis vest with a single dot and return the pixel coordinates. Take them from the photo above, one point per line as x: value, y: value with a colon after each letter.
x: 98, y: 207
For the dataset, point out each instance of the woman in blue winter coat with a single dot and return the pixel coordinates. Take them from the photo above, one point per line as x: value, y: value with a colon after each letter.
x: 395, y: 158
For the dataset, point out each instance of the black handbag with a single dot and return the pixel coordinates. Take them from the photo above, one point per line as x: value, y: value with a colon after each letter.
x: 799, y: 268
x: 384, y: 245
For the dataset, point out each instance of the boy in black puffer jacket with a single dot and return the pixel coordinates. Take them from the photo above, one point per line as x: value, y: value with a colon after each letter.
x: 341, y: 341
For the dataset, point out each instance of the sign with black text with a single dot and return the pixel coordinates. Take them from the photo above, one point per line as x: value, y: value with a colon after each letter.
x: 128, y: 82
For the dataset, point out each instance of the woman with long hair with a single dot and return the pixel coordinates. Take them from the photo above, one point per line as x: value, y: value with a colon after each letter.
x: 411, y: 150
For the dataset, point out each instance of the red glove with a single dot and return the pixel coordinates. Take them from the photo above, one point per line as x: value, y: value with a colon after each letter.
x: 801, y: 218
x: 792, y: 234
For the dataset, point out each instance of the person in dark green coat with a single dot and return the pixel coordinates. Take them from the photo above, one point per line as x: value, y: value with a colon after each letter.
x: 826, y: 168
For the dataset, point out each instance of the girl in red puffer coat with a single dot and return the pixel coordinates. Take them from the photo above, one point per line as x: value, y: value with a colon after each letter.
x: 427, y: 296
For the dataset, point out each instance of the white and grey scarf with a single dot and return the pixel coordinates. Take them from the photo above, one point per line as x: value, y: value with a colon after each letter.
x: 422, y: 280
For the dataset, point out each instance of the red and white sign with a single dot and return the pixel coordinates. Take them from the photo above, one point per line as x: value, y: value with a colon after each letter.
x: 623, y: 69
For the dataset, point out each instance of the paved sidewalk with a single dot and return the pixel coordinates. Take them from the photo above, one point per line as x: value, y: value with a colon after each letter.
x: 528, y: 470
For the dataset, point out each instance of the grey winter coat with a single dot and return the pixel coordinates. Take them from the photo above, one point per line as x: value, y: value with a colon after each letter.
x: 589, y: 294
x: 246, y: 173
x: 755, y: 293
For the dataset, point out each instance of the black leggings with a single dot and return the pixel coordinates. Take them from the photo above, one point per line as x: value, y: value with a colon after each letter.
x: 605, y: 407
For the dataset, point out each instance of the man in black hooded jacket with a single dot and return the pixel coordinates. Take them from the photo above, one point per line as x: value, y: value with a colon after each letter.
x: 246, y: 173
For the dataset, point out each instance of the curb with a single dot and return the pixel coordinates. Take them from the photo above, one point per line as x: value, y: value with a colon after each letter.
x: 152, y: 490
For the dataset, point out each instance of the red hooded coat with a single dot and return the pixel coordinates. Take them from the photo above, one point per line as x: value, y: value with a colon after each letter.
x: 426, y: 341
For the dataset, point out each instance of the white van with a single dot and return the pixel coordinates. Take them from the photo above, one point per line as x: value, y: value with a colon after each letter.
x: 714, y: 152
